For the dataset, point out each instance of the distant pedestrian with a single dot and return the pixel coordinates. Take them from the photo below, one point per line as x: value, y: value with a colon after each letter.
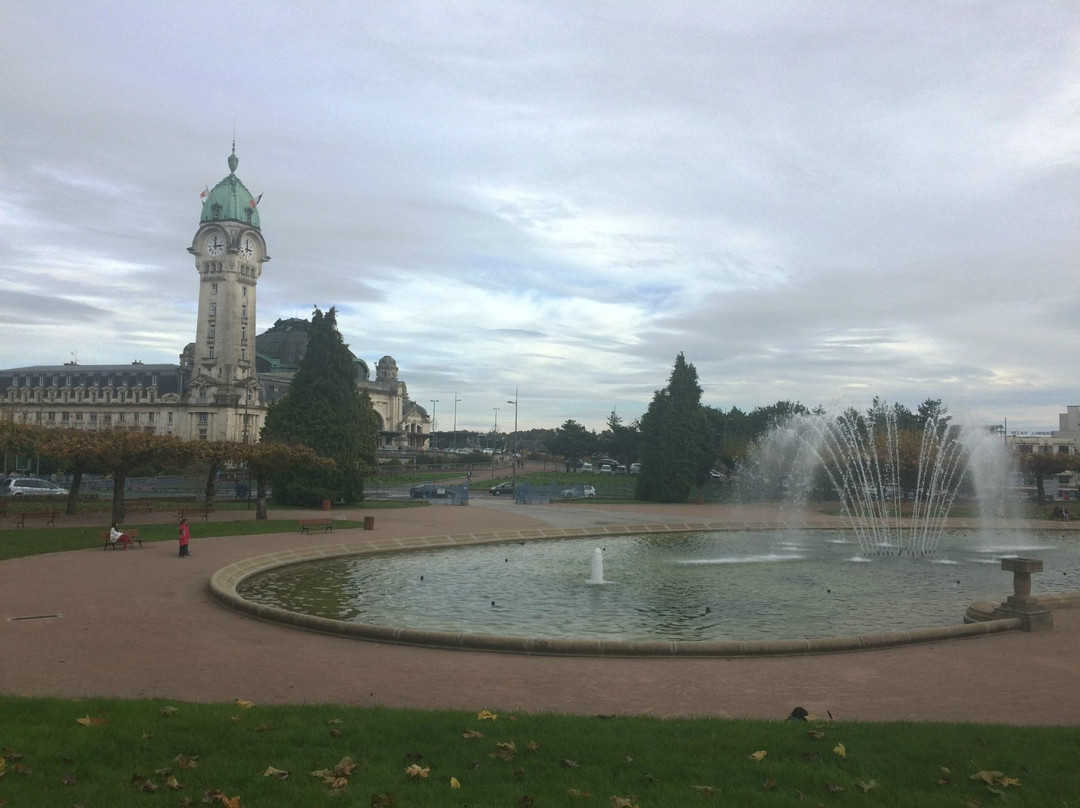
x: 185, y: 537
x: 116, y: 535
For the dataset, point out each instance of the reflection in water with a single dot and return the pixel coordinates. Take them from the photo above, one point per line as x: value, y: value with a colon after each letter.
x: 689, y: 587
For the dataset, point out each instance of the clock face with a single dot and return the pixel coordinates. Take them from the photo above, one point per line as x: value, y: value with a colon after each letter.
x: 215, y: 245
x: 247, y: 249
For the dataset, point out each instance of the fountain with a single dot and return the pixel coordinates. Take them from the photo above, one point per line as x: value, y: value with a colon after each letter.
x: 597, y: 567
x: 895, y: 487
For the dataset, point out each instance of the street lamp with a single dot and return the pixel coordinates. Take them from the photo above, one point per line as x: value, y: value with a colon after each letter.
x: 495, y: 431
x: 456, y: 400
x: 513, y: 457
x: 434, y: 401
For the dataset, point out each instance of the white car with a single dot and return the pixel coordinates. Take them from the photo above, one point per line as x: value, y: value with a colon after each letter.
x: 587, y: 491
x: 30, y: 486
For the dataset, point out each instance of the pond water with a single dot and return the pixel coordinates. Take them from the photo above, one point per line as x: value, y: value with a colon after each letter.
x: 753, y: 585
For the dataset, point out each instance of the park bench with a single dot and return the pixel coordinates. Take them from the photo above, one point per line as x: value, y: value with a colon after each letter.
x: 185, y: 513
x: 49, y: 518
x: 306, y: 524
x: 132, y: 533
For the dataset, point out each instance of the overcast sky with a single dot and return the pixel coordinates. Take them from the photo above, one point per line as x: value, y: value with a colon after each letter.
x: 822, y: 202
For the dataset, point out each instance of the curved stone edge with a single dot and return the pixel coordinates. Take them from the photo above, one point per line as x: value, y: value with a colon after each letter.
x: 223, y: 586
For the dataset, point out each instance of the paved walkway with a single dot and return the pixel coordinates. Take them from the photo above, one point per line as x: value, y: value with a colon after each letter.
x: 141, y: 624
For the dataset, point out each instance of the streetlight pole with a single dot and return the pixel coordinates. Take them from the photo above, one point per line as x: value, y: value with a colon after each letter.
x: 456, y: 400
x: 513, y: 456
x: 434, y: 401
x: 495, y: 431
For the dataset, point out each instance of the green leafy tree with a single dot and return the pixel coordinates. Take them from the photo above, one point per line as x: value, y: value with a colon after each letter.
x: 620, y: 440
x: 324, y: 411
x: 1041, y: 465
x: 267, y: 458
x: 676, y: 439
x: 573, y: 440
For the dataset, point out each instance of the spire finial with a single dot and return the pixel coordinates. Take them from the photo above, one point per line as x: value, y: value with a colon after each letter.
x: 233, y: 161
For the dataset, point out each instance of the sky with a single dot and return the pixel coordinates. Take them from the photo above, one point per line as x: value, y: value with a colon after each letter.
x: 549, y: 200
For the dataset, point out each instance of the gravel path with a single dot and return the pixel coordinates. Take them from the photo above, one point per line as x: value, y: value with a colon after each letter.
x: 141, y: 624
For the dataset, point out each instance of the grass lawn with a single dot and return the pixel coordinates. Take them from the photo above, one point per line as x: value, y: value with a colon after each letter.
x: 108, y: 752
x: 17, y: 542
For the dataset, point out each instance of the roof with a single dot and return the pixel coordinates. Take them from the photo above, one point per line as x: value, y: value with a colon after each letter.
x: 134, y: 374
x: 231, y: 199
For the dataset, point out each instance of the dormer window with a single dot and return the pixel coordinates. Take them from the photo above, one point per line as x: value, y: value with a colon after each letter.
x: 216, y: 209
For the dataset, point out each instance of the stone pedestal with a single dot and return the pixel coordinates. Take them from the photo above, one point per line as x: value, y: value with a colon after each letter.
x: 1021, y: 603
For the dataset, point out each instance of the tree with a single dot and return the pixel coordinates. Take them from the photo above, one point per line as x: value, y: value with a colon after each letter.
x: 267, y: 458
x: 215, y: 454
x: 572, y: 440
x: 676, y: 439
x: 324, y: 411
x: 120, y: 450
x: 81, y: 449
x: 1041, y: 465
x: 619, y: 440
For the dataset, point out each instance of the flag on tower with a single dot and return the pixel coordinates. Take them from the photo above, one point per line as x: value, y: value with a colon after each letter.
x: 255, y: 201
x: 205, y: 193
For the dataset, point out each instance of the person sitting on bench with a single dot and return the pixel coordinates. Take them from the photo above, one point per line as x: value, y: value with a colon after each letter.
x: 115, y: 535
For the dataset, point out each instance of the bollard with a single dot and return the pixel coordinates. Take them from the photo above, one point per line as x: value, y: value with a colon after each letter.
x: 369, y: 523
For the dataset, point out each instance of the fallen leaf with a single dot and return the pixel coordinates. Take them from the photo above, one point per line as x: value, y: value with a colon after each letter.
x: 145, y: 785
x: 167, y: 711
x: 570, y: 764
x: 335, y: 732
x: 269, y: 725
x: 233, y: 802
x: 87, y: 721
x: 768, y: 784
x: 486, y: 715
x: 21, y: 768
x: 532, y: 746
x: 651, y: 778
x: 706, y: 791
x: 816, y: 734
x: 759, y: 755
x: 841, y: 751
x: 623, y: 802
x: 279, y: 774
x: 988, y: 777
x: 236, y: 719
x: 577, y: 792
x: 186, y: 761
x: 472, y: 733
x: 864, y: 787
x: 163, y: 772
x: 455, y: 783
x: 833, y: 788
x: 505, y: 751
x: 172, y: 783
x: 416, y: 771
x: 244, y: 705
x: 333, y: 721
x: 382, y: 800
x: 186, y: 802
x: 345, y: 767
x: 68, y: 779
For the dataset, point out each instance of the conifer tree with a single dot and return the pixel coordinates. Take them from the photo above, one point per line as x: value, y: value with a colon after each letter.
x: 325, y: 411
x: 676, y: 439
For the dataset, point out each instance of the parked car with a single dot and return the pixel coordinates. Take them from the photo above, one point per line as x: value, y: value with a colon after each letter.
x: 715, y: 475
x: 431, y: 491
x: 620, y: 469
x: 585, y: 468
x: 606, y: 469
x: 502, y: 488
x: 586, y: 491
x: 30, y: 486
x: 635, y: 468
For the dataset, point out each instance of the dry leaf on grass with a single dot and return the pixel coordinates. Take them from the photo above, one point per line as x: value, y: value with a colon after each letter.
x: 759, y: 755
x: 416, y: 771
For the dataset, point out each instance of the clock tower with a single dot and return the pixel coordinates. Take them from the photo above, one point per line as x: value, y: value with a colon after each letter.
x: 223, y: 395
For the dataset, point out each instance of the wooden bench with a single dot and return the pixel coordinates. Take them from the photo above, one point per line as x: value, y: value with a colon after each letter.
x: 306, y: 524
x: 132, y: 533
x: 184, y: 513
x: 48, y: 516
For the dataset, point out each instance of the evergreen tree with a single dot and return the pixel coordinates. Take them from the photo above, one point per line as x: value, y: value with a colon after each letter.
x: 676, y: 439
x: 324, y: 411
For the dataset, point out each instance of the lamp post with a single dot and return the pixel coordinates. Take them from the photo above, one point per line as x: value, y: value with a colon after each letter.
x: 495, y: 431
x: 434, y: 401
x: 456, y: 400
x: 513, y: 456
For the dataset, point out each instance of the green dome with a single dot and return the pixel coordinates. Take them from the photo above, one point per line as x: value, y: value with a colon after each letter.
x: 230, y: 199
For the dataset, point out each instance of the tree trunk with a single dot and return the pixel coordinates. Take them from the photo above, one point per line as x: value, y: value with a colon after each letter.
x: 119, y: 510
x: 211, y: 484
x: 73, y: 491
x: 1039, y: 489
x: 260, y: 497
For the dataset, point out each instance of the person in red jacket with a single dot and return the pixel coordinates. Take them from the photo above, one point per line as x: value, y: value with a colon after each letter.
x: 185, y: 537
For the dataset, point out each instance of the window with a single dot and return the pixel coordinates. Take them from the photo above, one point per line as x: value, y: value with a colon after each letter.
x: 213, y: 288
x: 135, y: 417
x: 107, y: 417
x: 93, y: 417
x: 243, y: 291
x: 149, y: 417
x: 210, y: 356
x: 212, y: 332
x: 121, y: 417
x: 170, y: 417
x: 243, y: 311
x: 203, y: 417
x: 213, y: 309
